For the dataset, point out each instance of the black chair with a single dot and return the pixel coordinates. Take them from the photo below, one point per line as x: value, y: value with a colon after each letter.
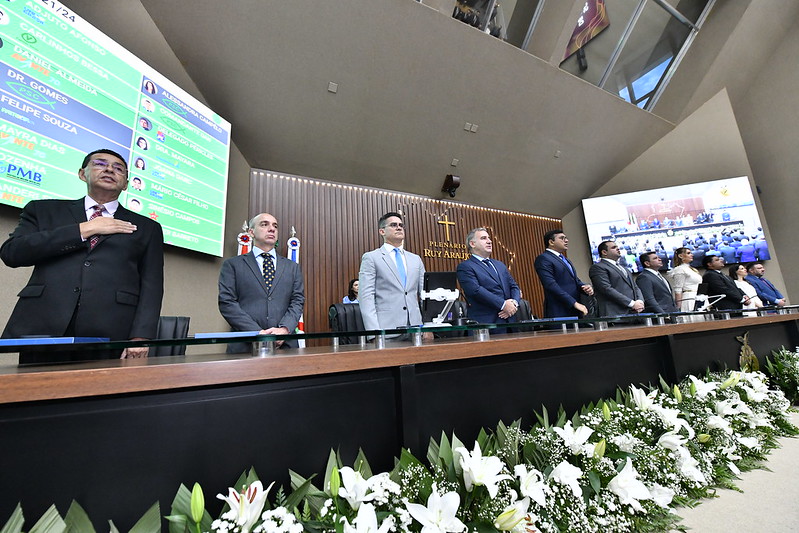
x: 524, y: 313
x: 171, y: 327
x: 344, y: 318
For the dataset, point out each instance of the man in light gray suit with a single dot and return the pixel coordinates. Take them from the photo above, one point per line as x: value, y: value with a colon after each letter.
x: 615, y: 291
x: 390, y: 280
x: 656, y: 290
x: 261, y: 291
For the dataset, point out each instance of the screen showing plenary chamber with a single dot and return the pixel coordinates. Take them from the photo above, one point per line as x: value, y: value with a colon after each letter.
x: 66, y: 89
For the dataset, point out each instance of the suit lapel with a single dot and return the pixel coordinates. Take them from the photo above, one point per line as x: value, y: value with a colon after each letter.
x: 252, y: 263
x: 390, y: 262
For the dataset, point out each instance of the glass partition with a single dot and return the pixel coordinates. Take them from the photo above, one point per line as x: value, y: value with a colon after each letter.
x: 331, y: 342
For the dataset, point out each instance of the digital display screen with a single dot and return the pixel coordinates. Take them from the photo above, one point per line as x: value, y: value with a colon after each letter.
x: 717, y: 217
x: 67, y: 89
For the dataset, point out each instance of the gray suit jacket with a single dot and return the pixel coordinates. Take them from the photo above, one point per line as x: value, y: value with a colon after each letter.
x: 385, y: 303
x: 248, y: 306
x: 657, y: 295
x: 613, y: 289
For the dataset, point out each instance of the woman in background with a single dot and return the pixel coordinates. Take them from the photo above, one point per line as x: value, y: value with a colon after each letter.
x: 352, y: 293
x: 738, y: 273
x: 685, y: 279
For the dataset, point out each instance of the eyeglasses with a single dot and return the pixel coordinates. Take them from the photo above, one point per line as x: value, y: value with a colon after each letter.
x: 116, y: 167
x: 396, y: 225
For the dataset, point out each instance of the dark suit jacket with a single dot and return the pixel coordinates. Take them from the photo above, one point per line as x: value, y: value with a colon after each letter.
x: 613, y: 289
x: 119, y: 284
x: 561, y: 288
x: 718, y: 284
x: 248, y: 306
x: 657, y: 296
x: 486, y: 290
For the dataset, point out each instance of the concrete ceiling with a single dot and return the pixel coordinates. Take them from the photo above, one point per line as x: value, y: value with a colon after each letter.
x: 409, y: 79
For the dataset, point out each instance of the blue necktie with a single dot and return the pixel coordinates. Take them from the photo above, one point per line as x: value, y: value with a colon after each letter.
x: 400, y: 266
x: 565, y: 262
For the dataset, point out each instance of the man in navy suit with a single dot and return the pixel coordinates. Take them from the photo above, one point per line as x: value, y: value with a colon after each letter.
x: 766, y: 290
x: 260, y: 290
x: 98, y: 268
x: 562, y: 287
x: 657, y: 292
x: 490, y: 290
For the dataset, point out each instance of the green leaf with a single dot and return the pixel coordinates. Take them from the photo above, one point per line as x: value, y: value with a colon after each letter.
x: 15, y: 521
x: 543, y: 418
x: 77, y: 520
x: 150, y: 522
x: 111, y: 527
x: 298, y: 495
x: 50, y: 522
x: 593, y: 479
x: 362, y: 465
x: 178, y: 522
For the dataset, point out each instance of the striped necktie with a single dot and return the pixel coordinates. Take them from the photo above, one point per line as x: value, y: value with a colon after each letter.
x: 98, y: 212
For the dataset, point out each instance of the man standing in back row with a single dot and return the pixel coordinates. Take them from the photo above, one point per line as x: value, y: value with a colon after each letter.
x: 98, y: 267
x: 391, y: 280
x: 491, y: 291
x: 562, y: 287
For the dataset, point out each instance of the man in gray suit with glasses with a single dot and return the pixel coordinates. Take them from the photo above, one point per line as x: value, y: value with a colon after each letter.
x: 391, y: 280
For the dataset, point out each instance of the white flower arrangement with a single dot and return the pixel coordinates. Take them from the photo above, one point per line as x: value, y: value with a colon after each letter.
x: 620, y: 465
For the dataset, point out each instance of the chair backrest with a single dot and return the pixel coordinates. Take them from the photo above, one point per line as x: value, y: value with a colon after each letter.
x: 345, y: 317
x: 171, y: 327
x: 524, y: 312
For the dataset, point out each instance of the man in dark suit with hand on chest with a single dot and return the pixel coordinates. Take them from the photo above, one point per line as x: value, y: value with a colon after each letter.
x: 98, y: 267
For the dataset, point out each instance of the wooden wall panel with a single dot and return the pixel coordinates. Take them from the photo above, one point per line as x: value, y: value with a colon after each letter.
x: 336, y: 223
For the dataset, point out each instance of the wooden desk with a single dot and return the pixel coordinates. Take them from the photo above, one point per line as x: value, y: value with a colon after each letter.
x: 117, y: 435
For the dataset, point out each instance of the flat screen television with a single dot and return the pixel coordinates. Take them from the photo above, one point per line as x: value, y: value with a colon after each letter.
x: 713, y: 217
x: 67, y: 89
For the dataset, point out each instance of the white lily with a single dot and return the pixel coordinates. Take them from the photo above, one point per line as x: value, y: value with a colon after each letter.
x: 354, y: 487
x: 245, y: 507
x: 661, y: 495
x: 754, y: 395
x: 568, y: 474
x: 641, y: 399
x: 671, y: 441
x: 671, y: 418
x: 717, y: 422
x: 703, y: 388
x: 629, y: 488
x: 512, y: 515
x: 732, y: 407
x: 366, y: 521
x: 759, y: 419
x: 479, y: 470
x: 749, y: 442
x: 531, y: 484
x: 574, y: 438
x: 689, y: 467
x: 439, y: 515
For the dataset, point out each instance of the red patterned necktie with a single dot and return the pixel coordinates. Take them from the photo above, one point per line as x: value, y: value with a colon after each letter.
x: 98, y: 212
